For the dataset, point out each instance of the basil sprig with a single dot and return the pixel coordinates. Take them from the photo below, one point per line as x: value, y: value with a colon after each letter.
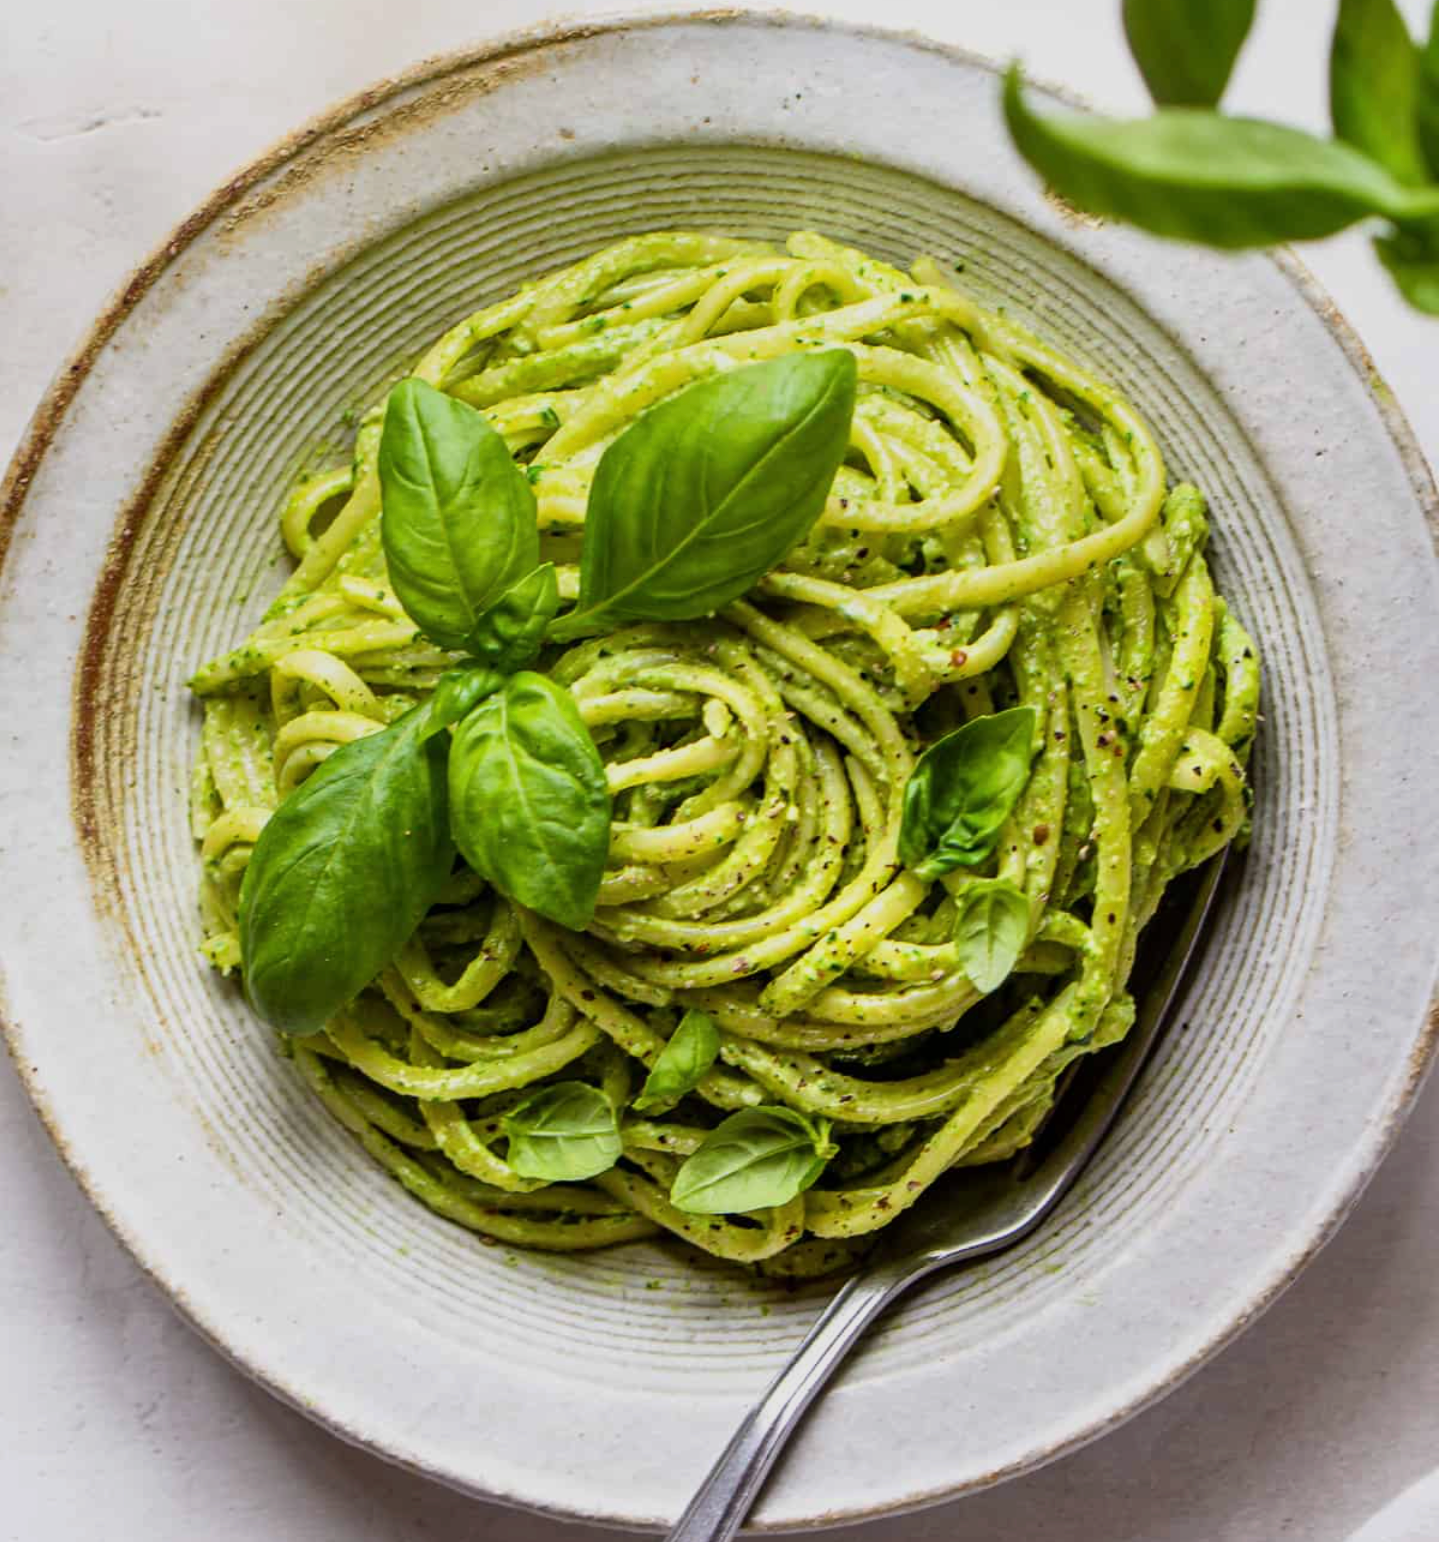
x: 992, y: 926
x: 342, y: 873
x: 1196, y: 174
x: 754, y: 1159
x: 563, y: 1133
x: 457, y: 514
x: 697, y: 500
x: 962, y: 791
x: 702, y: 495
x: 682, y: 1064
x: 529, y: 802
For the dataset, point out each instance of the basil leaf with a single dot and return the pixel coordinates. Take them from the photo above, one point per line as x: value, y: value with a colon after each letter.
x: 457, y: 514
x: 992, y: 926
x: 1375, y: 82
x: 1186, y: 51
x: 1427, y: 102
x: 962, y: 790
x: 682, y: 1063
x: 342, y: 873
x: 703, y: 494
x: 456, y: 692
x: 1410, y: 256
x: 529, y: 803
x: 509, y: 634
x: 1197, y: 176
x: 565, y: 1132
x: 754, y: 1159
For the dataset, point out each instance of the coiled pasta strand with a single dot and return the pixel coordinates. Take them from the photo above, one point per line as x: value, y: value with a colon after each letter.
x: 1001, y: 534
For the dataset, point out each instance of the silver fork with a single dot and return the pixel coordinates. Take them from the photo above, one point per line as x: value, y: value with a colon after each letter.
x: 996, y: 1209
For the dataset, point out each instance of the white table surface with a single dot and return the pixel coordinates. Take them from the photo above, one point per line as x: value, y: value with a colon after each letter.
x: 119, y: 1423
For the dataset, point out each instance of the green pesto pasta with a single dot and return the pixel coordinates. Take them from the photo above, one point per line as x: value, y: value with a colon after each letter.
x: 1000, y: 535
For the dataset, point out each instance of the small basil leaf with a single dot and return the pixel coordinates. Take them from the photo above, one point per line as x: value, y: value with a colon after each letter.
x: 682, y: 1063
x: 992, y: 926
x: 1410, y: 256
x: 456, y: 692
x: 703, y: 494
x: 1374, y: 86
x: 1196, y: 176
x: 962, y: 790
x: 564, y: 1133
x: 754, y: 1159
x: 457, y: 514
x: 1186, y: 51
x: 342, y: 873
x: 509, y: 634
x: 529, y: 803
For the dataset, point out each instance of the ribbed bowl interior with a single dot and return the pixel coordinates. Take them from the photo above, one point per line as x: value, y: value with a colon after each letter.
x: 208, y: 555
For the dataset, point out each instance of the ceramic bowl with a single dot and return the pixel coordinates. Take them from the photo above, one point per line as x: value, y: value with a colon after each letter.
x: 142, y: 539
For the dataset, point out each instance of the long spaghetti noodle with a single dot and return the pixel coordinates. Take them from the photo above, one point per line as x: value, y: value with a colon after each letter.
x: 999, y: 535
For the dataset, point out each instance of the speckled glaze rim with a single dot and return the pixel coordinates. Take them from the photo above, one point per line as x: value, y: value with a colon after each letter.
x: 51, y: 413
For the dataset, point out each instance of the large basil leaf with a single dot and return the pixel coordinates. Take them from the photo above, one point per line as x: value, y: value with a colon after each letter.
x: 962, y: 790
x: 683, y: 1062
x: 1197, y: 176
x: 529, y: 803
x: 509, y: 634
x: 992, y: 926
x: 1375, y: 83
x: 754, y: 1159
x: 702, y: 495
x: 457, y: 514
x: 1427, y: 65
x: 563, y: 1133
x: 1186, y: 50
x: 343, y: 872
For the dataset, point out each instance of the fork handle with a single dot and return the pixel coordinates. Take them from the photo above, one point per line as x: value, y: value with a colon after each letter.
x: 718, y: 1510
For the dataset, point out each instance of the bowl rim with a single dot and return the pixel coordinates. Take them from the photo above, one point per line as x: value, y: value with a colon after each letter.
x: 50, y: 413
